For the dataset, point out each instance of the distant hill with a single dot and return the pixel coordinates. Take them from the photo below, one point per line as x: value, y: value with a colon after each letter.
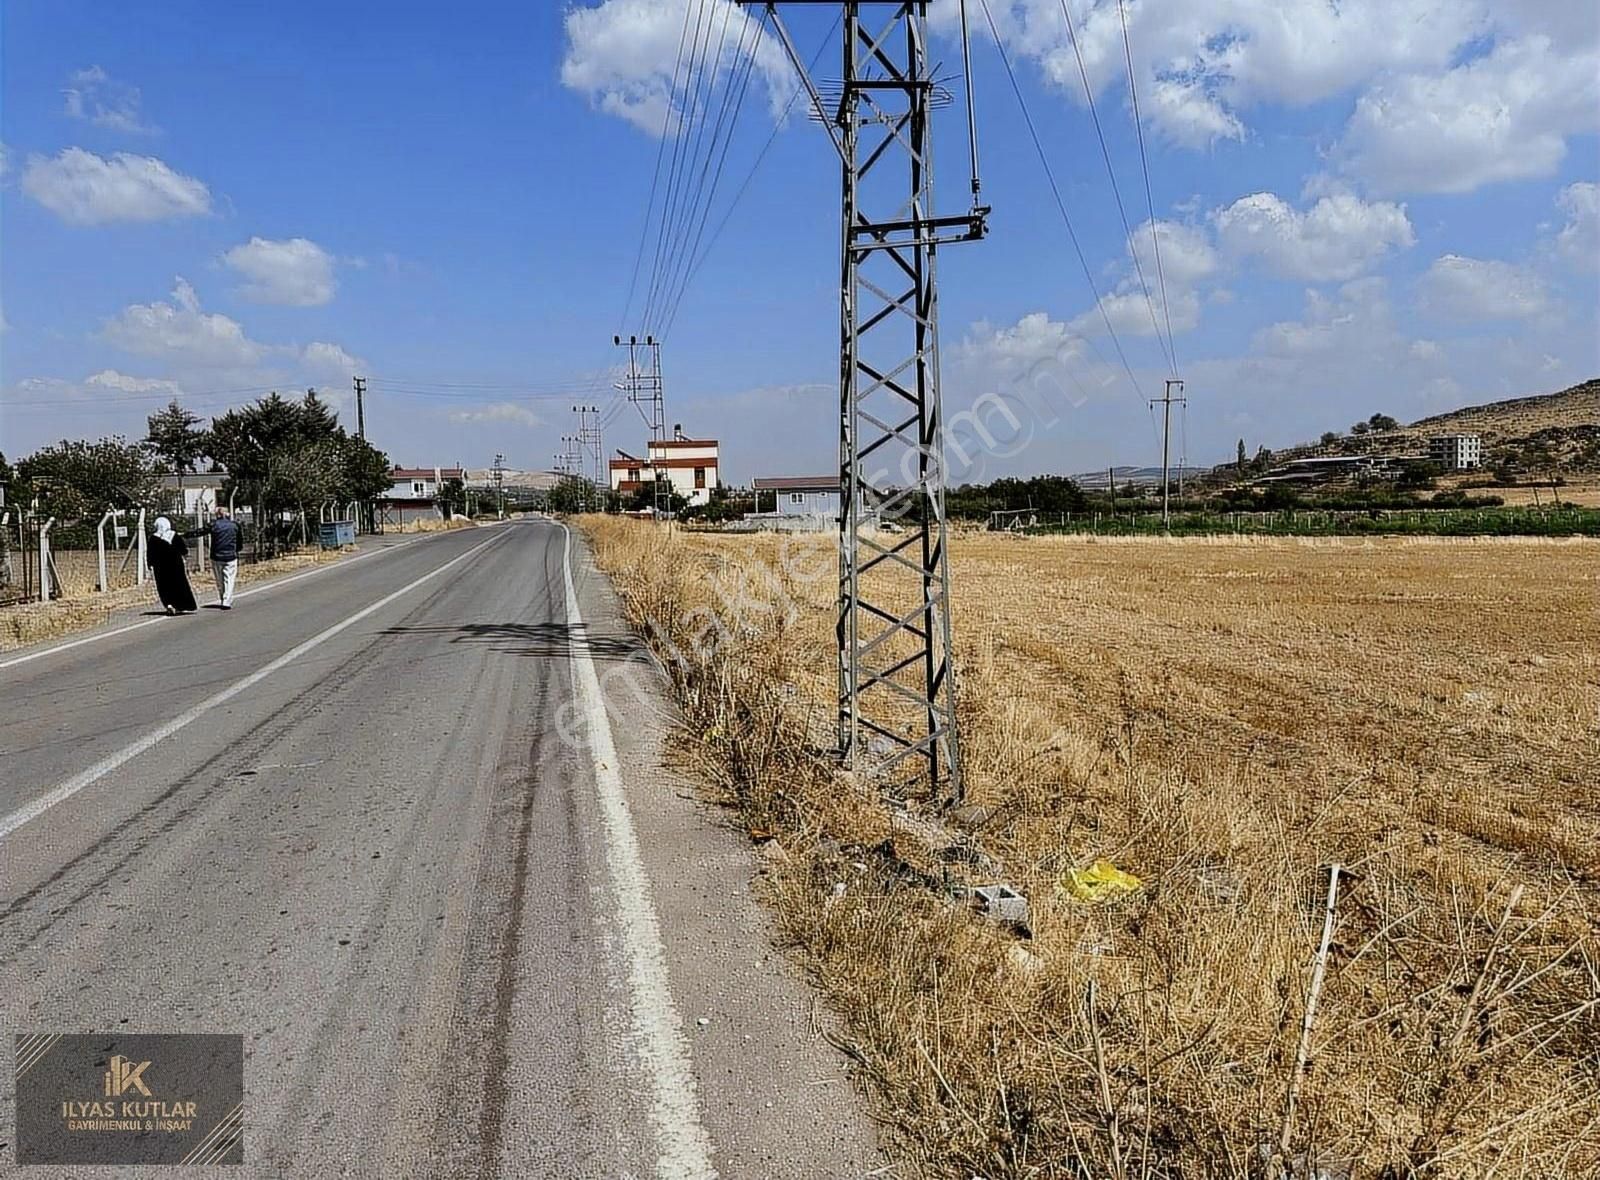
x: 1522, y: 416
x: 1548, y: 434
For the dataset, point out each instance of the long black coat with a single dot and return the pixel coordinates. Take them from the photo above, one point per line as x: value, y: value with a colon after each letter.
x: 172, y: 580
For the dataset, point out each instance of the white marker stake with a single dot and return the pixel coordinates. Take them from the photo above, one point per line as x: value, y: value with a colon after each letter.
x: 106, y: 765
x: 684, y: 1148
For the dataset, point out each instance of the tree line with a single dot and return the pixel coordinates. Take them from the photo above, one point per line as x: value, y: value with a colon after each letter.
x: 278, y: 455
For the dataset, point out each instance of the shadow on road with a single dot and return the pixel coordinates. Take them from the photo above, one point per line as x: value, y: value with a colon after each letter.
x: 534, y: 639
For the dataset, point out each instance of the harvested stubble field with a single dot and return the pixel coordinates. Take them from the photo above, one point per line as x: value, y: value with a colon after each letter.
x: 1223, y: 719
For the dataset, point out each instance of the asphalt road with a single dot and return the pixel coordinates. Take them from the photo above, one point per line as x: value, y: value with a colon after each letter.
x: 378, y: 821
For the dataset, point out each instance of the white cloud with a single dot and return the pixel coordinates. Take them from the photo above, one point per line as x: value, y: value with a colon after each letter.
x: 1579, y: 240
x: 1358, y: 312
x: 1201, y: 63
x: 1473, y: 289
x: 183, y: 334
x: 295, y: 272
x: 122, y: 383
x: 1503, y: 116
x: 1337, y: 238
x: 1186, y: 255
x: 498, y: 412
x: 621, y: 55
x: 1033, y: 338
x: 1187, y: 259
x: 85, y: 189
x: 330, y: 360
x: 94, y: 95
x: 1189, y: 115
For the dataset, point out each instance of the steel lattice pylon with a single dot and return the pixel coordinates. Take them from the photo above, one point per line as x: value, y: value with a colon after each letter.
x: 896, y: 694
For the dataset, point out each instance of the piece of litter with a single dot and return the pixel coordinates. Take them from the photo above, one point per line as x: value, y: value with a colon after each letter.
x: 702, y: 1022
x: 1002, y: 903
x: 1101, y: 881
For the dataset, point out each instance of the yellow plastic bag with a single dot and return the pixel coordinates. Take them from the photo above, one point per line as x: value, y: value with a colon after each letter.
x: 1101, y: 881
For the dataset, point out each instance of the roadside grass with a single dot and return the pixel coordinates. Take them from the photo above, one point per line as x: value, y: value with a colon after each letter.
x: 1223, y: 719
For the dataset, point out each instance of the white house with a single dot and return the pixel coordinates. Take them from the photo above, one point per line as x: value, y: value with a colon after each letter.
x: 689, y: 464
x: 413, y: 494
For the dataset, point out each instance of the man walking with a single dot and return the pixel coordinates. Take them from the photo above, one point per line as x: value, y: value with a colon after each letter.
x: 225, y: 548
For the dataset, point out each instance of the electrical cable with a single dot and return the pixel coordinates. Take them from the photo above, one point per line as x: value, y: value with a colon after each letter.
x: 1149, y: 198
x: 1061, y: 206
x: 655, y: 177
x: 1111, y: 175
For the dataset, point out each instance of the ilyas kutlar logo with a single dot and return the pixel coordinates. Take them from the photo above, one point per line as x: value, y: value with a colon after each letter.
x: 124, y: 1075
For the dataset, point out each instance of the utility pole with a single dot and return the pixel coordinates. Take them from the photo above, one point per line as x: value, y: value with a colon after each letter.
x: 361, y: 409
x: 644, y: 388
x: 589, y: 439
x: 1165, y: 401
x: 896, y: 694
x: 500, y: 486
x: 1111, y: 480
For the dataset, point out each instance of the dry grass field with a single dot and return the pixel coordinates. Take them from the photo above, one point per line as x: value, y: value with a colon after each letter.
x: 1223, y: 719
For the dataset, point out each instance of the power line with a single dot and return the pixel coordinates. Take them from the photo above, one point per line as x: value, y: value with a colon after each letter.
x: 655, y: 176
x: 710, y: 194
x: 685, y: 148
x: 1061, y: 206
x: 1149, y: 198
x: 1111, y: 174
x: 755, y: 166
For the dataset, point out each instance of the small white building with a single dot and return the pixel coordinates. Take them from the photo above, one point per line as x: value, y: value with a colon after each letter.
x: 799, y: 495
x: 689, y: 464
x: 414, y: 494
x: 1456, y: 452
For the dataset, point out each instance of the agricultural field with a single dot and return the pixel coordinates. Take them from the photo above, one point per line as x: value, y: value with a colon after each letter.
x: 1222, y: 718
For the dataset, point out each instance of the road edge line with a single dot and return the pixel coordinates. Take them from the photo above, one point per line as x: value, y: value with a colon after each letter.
x: 683, y: 1145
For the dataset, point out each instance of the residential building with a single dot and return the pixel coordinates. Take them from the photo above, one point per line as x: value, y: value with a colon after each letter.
x: 1456, y: 452
x: 414, y: 494
x: 691, y: 465
x: 799, y: 495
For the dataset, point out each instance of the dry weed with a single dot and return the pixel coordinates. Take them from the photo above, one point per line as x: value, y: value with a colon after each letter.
x: 1223, y: 719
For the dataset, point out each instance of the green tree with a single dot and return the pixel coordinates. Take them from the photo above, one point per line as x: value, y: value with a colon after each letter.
x: 1241, y: 461
x: 453, y: 497
x: 285, y: 454
x: 175, y: 438
x: 1382, y: 422
x: 1329, y: 437
x: 1360, y: 428
x: 75, y: 478
x: 645, y: 498
x: 365, y: 470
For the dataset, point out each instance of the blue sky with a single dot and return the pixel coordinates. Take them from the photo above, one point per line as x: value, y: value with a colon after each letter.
x: 1375, y: 206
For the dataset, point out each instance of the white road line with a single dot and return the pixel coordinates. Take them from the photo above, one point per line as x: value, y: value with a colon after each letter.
x: 109, y: 763
x: 683, y: 1147
x: 321, y: 569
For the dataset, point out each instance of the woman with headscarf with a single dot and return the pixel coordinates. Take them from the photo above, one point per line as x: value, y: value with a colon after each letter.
x: 167, y: 552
